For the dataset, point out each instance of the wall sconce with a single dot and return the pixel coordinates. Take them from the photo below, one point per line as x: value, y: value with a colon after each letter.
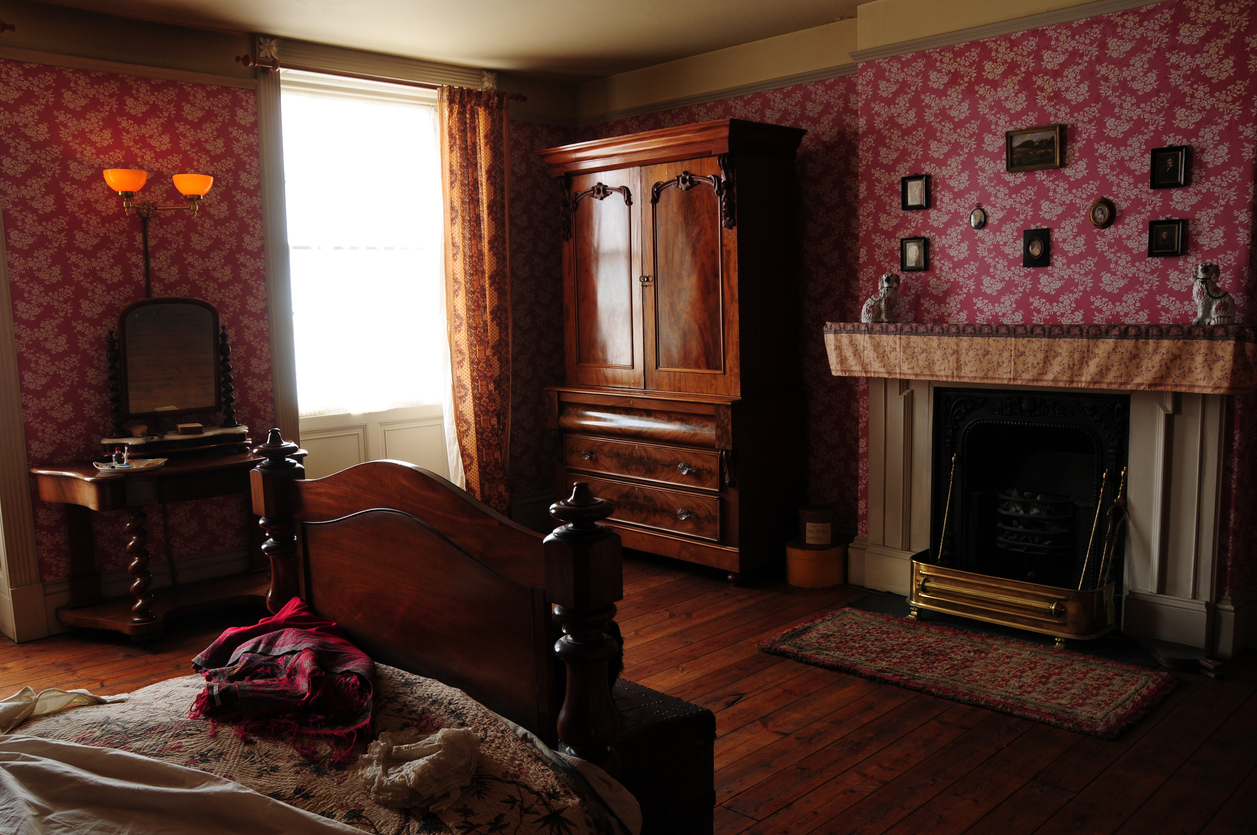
x: 127, y: 181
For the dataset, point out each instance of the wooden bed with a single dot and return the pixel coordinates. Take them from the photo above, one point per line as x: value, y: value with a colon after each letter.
x: 425, y: 579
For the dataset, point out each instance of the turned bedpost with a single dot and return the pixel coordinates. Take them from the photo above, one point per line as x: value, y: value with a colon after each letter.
x: 584, y: 579
x: 269, y: 485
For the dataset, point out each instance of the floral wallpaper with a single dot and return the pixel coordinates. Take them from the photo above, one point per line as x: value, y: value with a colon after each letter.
x: 1175, y: 73
x: 75, y: 261
x: 826, y: 166
x: 536, y: 304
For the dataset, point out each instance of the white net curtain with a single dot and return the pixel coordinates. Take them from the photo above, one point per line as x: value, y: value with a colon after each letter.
x: 362, y: 170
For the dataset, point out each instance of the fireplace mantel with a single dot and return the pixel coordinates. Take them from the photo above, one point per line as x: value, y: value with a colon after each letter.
x: 1215, y: 359
x: 1178, y: 377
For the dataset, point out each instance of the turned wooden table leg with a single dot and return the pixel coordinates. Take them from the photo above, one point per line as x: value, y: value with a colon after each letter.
x: 139, y: 567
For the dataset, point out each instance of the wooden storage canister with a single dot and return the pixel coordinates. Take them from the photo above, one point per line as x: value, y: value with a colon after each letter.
x: 815, y: 568
x: 816, y: 526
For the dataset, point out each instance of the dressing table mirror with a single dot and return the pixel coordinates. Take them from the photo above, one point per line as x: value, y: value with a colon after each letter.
x: 171, y: 358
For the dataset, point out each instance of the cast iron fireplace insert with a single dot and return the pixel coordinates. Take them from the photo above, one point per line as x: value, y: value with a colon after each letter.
x: 1020, y: 506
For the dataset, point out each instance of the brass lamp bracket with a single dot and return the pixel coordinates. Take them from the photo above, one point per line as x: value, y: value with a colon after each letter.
x: 147, y: 210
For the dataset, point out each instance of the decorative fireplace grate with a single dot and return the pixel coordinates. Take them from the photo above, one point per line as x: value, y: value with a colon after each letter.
x: 1035, y: 529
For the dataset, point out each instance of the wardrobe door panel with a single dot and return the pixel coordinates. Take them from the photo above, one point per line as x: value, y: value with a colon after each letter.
x: 692, y: 323
x: 603, y: 308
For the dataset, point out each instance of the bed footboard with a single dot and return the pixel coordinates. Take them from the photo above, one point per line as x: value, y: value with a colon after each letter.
x: 424, y: 577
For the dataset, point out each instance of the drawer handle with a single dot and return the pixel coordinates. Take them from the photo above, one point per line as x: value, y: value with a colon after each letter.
x: 684, y: 514
x: 686, y: 469
x: 587, y: 454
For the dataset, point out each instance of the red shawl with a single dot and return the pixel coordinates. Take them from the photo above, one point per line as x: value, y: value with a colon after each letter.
x: 294, y: 676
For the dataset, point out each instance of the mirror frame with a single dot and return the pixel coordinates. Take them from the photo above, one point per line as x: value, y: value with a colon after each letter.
x: 214, y: 345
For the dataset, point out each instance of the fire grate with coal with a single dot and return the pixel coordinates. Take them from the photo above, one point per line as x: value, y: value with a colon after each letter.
x: 1028, y: 509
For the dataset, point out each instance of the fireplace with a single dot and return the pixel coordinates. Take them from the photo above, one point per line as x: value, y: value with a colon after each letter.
x: 1024, y: 528
x: 1029, y: 469
x: 1176, y: 380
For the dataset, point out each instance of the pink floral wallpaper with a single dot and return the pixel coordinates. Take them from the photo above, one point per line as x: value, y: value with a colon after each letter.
x: 75, y: 262
x: 827, y: 175
x: 1177, y: 72
x: 1174, y: 73
x: 536, y: 304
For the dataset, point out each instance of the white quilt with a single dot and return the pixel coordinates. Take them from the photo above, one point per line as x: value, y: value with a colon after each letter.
x: 52, y: 787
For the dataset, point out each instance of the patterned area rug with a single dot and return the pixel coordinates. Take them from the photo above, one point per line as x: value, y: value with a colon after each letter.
x: 1058, y: 687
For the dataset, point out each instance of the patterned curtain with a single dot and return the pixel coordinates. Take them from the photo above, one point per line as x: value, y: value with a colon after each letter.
x: 474, y: 158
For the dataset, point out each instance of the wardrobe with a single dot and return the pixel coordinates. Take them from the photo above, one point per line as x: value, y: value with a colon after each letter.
x: 682, y: 401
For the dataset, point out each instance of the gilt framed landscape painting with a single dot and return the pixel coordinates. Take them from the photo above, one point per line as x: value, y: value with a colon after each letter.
x: 1033, y: 149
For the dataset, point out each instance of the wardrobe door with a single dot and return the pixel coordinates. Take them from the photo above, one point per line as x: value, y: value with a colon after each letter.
x: 691, y: 301
x: 602, y: 294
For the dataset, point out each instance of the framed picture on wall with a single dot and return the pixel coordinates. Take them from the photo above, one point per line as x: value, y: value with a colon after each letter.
x: 1171, y: 167
x: 1036, y: 248
x: 1033, y: 149
x: 914, y: 254
x: 914, y: 192
x: 1167, y: 237
x: 1101, y: 213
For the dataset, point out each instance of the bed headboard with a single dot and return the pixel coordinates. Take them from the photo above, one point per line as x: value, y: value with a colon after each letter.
x: 424, y: 577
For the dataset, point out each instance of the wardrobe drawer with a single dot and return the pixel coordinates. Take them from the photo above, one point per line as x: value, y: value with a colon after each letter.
x: 653, y: 507
x: 674, y: 465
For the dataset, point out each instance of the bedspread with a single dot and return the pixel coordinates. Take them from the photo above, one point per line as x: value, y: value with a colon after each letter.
x: 519, y: 787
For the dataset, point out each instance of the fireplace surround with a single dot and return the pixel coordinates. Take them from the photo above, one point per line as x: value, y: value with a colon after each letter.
x: 1176, y: 379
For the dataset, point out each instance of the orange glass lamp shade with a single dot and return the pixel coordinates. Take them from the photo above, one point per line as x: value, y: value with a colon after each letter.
x: 193, y: 185
x: 125, y: 179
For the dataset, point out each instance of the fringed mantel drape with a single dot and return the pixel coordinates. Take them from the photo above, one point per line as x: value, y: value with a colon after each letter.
x: 474, y: 158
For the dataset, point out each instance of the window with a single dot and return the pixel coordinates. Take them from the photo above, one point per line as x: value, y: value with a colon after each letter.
x: 365, y: 236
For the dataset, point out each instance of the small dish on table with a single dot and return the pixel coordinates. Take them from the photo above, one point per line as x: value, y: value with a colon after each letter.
x: 135, y: 465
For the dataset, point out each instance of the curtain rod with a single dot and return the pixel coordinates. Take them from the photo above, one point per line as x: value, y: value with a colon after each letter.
x: 249, y: 61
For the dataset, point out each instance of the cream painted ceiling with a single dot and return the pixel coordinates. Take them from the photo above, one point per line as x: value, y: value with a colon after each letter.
x: 573, y: 39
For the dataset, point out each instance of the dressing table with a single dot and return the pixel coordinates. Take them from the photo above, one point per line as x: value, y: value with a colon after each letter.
x: 171, y: 360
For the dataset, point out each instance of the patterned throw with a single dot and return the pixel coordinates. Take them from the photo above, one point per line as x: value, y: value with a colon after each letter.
x: 293, y: 676
x: 1062, y: 688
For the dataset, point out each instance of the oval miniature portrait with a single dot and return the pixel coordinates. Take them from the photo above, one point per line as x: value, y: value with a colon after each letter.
x: 1035, y: 247
x: 977, y: 218
x: 1101, y: 213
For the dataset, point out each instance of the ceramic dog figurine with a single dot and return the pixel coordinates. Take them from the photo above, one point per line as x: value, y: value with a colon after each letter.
x: 1214, y: 306
x: 881, y: 307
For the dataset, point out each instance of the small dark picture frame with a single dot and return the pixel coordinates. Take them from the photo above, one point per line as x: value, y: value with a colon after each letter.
x: 914, y: 192
x: 1033, y: 149
x: 1101, y: 213
x: 1171, y: 167
x: 914, y: 254
x: 1167, y: 237
x: 1036, y: 248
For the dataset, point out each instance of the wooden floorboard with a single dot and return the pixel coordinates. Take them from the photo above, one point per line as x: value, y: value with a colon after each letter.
x: 804, y: 750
